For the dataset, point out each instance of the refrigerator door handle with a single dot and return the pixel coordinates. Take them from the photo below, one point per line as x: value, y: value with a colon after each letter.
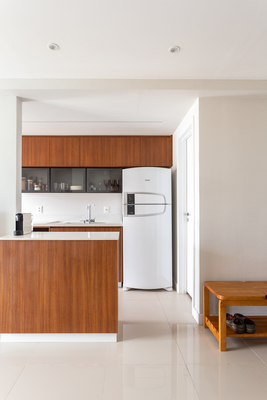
x: 146, y: 193
x: 146, y: 214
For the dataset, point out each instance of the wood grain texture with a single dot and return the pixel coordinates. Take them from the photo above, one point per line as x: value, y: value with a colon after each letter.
x: 260, y: 322
x: 97, y: 151
x: 222, y: 326
x: 126, y: 151
x: 109, y: 151
x: 58, y: 286
x: 35, y: 151
x: 156, y: 151
x: 99, y: 229
x: 206, y: 305
x: 64, y: 151
x: 233, y: 293
x: 235, y: 290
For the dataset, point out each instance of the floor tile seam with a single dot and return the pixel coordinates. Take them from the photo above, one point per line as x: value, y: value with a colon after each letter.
x: 164, y: 313
x: 175, y: 308
x: 223, y: 364
x: 24, y: 366
x: 177, y: 344
x: 248, y: 346
x: 146, y: 364
x: 258, y: 356
x: 32, y: 354
x: 192, y: 380
x: 66, y: 365
x: 104, y: 381
x: 140, y: 300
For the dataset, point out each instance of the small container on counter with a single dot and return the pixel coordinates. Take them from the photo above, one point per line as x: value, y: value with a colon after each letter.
x: 37, y: 187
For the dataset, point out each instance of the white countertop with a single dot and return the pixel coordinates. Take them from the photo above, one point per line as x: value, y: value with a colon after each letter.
x: 65, y: 236
x: 74, y: 224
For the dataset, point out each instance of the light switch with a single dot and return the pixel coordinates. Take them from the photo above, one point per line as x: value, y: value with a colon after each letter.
x: 106, y: 209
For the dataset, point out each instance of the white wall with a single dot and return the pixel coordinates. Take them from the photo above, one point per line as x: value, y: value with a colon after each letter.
x: 233, y: 189
x: 10, y: 161
x: 72, y: 206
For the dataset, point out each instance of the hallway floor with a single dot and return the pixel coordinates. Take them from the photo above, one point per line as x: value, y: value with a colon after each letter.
x: 162, y: 354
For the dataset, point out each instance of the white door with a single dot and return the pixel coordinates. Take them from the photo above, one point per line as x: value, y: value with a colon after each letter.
x: 189, y: 215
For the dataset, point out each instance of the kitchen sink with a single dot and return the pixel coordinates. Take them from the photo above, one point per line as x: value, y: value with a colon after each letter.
x: 83, y: 223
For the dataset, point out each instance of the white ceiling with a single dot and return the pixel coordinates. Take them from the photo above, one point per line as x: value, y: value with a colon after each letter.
x: 124, y: 39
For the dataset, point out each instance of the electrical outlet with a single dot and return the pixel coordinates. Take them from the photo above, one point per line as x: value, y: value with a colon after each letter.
x: 39, y: 209
x: 106, y: 209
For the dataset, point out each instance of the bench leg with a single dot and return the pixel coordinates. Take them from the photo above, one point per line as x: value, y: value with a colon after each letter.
x: 206, y: 305
x: 222, y: 326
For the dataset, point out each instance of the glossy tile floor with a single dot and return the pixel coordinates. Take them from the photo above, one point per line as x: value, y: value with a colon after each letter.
x: 162, y: 354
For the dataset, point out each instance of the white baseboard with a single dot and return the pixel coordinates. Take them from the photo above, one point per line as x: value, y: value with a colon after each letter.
x: 59, y: 337
x: 198, y: 317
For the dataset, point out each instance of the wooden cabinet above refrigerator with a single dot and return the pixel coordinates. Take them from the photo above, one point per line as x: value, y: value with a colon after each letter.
x: 97, y: 151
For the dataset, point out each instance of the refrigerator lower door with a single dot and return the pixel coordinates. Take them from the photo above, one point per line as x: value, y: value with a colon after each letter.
x: 147, y: 248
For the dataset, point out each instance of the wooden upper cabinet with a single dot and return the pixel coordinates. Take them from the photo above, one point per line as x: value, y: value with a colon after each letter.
x: 156, y: 151
x: 110, y: 151
x: 97, y: 151
x: 64, y: 151
x: 126, y: 151
x: 35, y: 151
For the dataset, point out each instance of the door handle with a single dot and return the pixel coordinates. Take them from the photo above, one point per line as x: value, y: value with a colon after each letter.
x: 187, y: 214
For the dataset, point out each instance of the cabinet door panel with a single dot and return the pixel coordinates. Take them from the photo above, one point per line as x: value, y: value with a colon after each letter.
x: 110, y: 151
x: 156, y: 151
x: 125, y: 151
x: 64, y: 151
x: 35, y: 151
x: 97, y: 229
x: 95, y: 151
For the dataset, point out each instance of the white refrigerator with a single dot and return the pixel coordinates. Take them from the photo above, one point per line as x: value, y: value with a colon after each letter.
x: 147, y: 228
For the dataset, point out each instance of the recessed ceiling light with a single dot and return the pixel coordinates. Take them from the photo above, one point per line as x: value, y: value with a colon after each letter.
x: 53, y: 46
x: 174, y: 49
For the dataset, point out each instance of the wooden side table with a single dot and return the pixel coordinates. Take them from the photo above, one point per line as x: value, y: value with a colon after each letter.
x: 234, y: 293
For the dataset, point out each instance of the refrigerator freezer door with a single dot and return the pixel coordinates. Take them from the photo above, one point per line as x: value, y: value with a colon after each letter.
x: 148, y: 180
x: 144, y: 198
x: 147, y: 248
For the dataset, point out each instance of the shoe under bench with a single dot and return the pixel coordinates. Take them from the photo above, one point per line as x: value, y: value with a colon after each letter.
x: 234, y: 293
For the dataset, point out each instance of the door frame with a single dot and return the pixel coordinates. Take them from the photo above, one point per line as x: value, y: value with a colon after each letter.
x: 181, y: 220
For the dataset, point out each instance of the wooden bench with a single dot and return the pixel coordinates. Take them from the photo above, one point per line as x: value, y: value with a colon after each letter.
x: 234, y: 293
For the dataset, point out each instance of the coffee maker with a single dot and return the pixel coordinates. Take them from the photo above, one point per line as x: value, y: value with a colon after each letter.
x: 23, y: 224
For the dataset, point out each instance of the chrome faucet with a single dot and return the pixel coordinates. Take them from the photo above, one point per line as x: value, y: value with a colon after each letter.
x: 90, y: 219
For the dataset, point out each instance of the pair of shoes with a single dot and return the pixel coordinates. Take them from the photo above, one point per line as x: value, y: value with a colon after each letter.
x: 249, y: 324
x: 236, y: 324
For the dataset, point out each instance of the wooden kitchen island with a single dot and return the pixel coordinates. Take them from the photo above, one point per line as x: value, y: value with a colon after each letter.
x: 59, y: 286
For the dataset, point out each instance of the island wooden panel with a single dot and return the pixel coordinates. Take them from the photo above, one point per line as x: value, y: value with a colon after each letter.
x: 35, y: 151
x: 97, y: 229
x: 58, y: 286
